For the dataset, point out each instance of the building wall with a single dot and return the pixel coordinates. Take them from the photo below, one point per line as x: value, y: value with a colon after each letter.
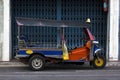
x: 114, y: 29
x: 1, y: 27
x: 5, y: 30
x: 119, y: 31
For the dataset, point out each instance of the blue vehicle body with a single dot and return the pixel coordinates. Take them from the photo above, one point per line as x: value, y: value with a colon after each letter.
x: 47, y: 53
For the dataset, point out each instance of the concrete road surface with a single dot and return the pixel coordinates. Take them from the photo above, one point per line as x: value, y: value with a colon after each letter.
x: 60, y: 72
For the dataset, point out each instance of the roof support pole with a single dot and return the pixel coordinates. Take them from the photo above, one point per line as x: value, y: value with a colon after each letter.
x: 58, y: 18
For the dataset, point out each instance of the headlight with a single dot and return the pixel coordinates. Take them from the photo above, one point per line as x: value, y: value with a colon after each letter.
x: 95, y: 42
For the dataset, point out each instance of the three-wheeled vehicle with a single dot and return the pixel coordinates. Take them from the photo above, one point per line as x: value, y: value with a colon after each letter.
x: 38, y: 56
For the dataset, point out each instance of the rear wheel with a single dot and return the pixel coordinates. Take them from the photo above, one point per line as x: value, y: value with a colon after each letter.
x: 36, y: 62
x: 99, y: 62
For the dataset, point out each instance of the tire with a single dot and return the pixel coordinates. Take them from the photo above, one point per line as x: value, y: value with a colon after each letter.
x: 99, y: 63
x: 37, y: 62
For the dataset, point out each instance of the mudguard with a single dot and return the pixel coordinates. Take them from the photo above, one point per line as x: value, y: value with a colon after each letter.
x: 97, y: 50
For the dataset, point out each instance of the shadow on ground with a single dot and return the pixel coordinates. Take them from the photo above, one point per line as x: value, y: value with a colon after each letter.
x: 50, y: 67
x: 56, y: 67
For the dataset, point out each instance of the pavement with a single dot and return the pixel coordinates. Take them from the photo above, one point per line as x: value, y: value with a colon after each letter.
x: 12, y: 64
x: 60, y: 73
x: 20, y: 64
x: 15, y: 70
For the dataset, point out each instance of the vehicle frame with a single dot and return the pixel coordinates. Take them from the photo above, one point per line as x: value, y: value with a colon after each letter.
x: 37, y: 56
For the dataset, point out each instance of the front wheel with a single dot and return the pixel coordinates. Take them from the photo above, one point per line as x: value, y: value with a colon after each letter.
x: 37, y: 62
x: 99, y: 62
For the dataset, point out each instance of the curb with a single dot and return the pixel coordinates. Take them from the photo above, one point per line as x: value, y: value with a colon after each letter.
x: 113, y: 64
x: 12, y: 64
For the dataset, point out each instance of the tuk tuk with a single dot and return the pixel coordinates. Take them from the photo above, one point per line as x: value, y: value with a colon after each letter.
x: 38, y: 56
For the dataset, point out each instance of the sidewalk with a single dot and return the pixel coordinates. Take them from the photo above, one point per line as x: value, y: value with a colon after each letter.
x: 113, y: 64
x: 19, y: 64
x: 12, y: 64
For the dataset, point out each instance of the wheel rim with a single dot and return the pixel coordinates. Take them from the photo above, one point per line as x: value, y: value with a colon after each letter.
x: 99, y: 62
x: 37, y: 63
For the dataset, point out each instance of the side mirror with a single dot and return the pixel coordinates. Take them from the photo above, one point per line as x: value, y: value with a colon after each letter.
x: 95, y: 42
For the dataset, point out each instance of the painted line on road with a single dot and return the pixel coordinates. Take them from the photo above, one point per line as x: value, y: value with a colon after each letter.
x: 60, y: 72
x: 110, y: 75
